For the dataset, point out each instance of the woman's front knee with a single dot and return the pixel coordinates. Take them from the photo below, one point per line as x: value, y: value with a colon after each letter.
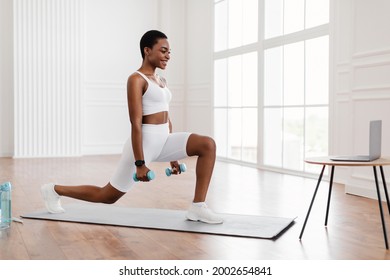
x: 209, y: 144
x: 201, y: 145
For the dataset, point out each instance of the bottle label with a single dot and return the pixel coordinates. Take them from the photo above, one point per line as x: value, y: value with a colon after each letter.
x: 5, y: 204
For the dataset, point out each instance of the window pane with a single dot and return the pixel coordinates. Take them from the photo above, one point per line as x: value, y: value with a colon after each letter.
x: 249, y: 79
x: 317, y: 12
x: 316, y: 134
x: 235, y: 134
x: 316, y: 138
x: 273, y: 18
x: 293, y: 138
x: 273, y: 137
x: 220, y: 131
x: 220, y: 26
x: 220, y: 82
x: 234, y: 81
x: 294, y: 15
x: 250, y: 21
x: 249, y: 135
x: 294, y: 74
x: 273, y: 76
x: 235, y: 23
x: 317, y: 70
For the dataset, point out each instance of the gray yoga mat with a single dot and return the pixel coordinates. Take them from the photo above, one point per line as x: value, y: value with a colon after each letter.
x: 165, y: 219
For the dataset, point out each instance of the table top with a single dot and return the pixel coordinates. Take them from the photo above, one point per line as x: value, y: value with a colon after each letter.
x: 327, y: 161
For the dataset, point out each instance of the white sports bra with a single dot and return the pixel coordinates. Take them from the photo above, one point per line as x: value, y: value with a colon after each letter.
x: 155, y: 99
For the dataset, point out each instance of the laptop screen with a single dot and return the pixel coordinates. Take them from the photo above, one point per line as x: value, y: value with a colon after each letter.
x: 375, y: 139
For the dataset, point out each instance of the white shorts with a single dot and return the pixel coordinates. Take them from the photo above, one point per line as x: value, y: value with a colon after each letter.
x: 158, y: 146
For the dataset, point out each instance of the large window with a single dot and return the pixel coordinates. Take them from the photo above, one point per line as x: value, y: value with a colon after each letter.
x: 271, y: 81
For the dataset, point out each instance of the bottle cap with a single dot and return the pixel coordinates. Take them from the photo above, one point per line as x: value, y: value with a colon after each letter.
x: 6, y: 187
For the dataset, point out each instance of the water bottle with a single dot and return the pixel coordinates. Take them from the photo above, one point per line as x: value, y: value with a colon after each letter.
x: 5, y: 205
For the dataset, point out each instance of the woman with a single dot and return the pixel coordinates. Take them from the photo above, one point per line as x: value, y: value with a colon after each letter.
x: 151, y: 140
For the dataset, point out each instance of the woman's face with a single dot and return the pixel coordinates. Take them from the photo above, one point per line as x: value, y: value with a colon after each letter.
x: 159, y: 55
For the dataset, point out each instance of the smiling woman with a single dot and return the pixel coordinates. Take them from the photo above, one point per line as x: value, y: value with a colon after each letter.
x: 151, y: 140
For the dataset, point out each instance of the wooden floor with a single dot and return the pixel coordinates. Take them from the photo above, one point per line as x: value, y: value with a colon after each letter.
x: 354, y: 229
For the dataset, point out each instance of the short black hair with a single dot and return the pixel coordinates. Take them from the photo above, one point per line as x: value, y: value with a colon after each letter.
x: 149, y: 39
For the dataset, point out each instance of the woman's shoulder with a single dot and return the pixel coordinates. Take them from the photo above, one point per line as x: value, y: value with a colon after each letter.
x: 136, y: 77
x: 135, y: 74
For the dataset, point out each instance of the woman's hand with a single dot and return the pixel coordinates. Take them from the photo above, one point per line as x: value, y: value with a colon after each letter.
x: 175, y: 167
x: 142, y: 172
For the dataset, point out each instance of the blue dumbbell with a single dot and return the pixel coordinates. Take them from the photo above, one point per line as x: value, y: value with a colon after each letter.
x: 182, y: 167
x: 150, y: 176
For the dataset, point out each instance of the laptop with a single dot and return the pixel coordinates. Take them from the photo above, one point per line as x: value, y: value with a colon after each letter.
x: 375, y: 145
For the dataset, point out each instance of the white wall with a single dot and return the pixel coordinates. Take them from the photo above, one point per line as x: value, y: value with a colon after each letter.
x: 6, y: 78
x: 199, y: 66
x: 71, y: 66
x: 72, y: 60
x: 189, y: 27
x: 360, y: 84
x: 112, y: 30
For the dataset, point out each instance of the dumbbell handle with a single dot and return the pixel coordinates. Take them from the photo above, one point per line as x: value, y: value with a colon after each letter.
x: 150, y: 176
x: 182, y: 167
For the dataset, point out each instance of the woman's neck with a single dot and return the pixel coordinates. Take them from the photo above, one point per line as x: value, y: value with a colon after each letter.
x: 147, y: 69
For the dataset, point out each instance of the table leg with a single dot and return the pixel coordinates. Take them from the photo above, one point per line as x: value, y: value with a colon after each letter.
x: 385, y: 187
x: 312, y: 201
x: 380, y: 207
x: 329, y: 195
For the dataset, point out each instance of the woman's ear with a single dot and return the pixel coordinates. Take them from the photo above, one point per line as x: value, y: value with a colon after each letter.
x: 147, y: 51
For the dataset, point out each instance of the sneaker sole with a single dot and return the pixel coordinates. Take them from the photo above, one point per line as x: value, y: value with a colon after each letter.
x: 48, y: 208
x: 203, y: 220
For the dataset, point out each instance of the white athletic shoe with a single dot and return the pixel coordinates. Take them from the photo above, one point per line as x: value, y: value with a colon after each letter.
x: 201, y: 213
x: 52, y: 199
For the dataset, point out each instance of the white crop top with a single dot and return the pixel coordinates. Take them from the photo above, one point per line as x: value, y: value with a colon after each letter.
x: 155, y: 99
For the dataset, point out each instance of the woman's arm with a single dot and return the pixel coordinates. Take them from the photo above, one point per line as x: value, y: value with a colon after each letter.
x: 170, y: 125
x: 135, y: 89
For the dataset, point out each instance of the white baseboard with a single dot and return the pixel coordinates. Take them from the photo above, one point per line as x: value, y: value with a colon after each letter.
x: 113, y: 149
x: 365, y: 191
x: 6, y: 154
